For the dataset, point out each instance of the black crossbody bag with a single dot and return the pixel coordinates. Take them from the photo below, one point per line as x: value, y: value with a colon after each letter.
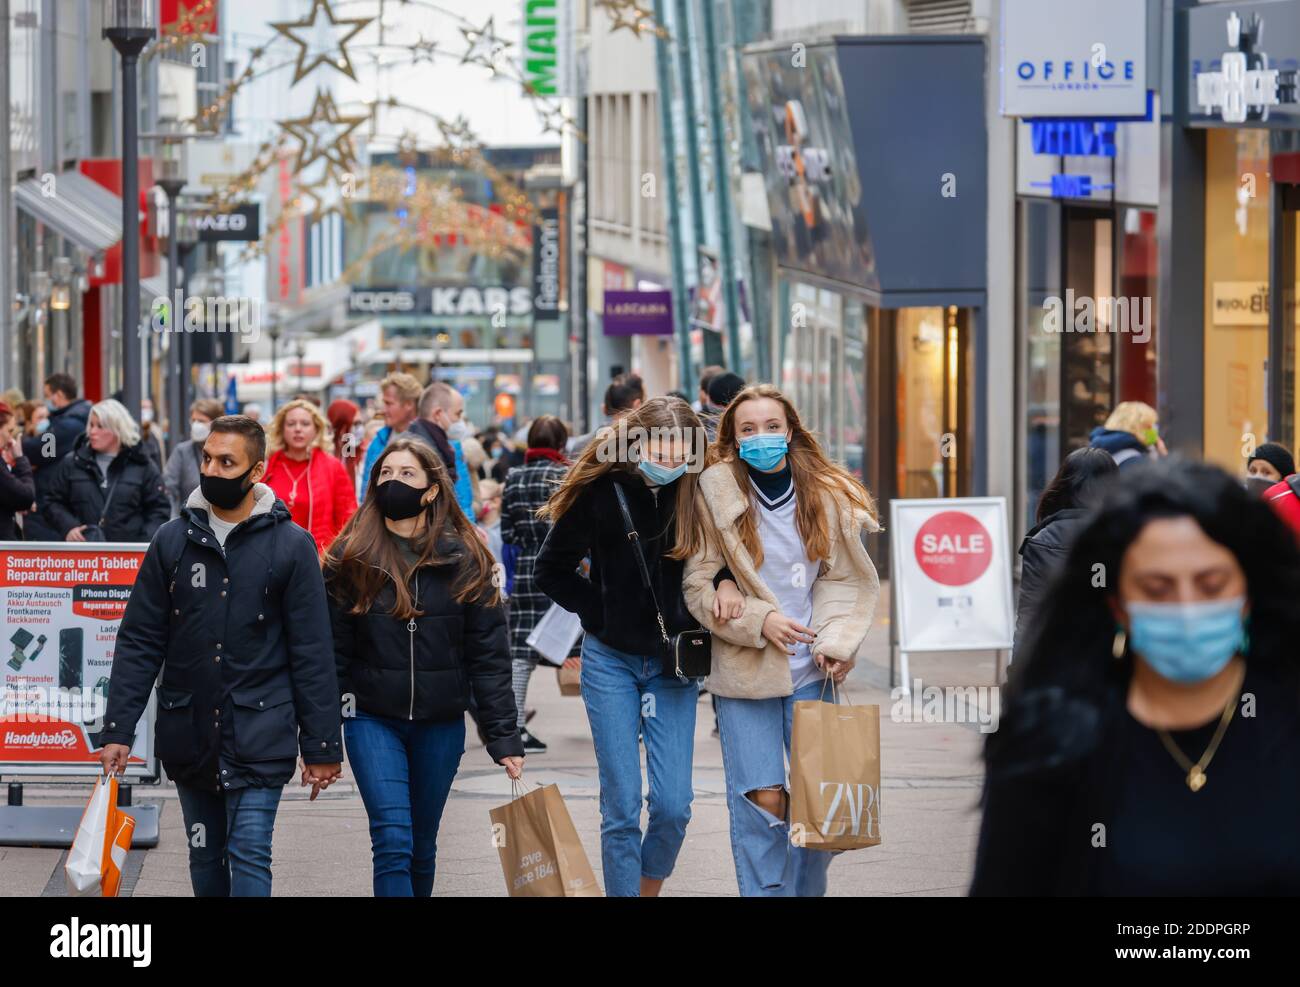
x: 687, y: 654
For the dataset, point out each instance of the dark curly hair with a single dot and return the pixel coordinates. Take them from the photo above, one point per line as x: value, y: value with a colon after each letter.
x: 1058, y: 689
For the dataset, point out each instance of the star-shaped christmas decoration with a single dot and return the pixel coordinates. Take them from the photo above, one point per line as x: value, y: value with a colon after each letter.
x: 408, y: 147
x: 320, y: 25
x: 422, y: 51
x: 324, y: 133
x: 554, y: 120
x: 484, y: 46
x: 457, y: 134
x: 631, y: 15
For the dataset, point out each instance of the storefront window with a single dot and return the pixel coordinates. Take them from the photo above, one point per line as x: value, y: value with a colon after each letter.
x: 1040, y: 272
x: 1087, y: 397
x: 1135, y: 271
x: 921, y: 347
x: 1236, y: 293
x: 853, y: 418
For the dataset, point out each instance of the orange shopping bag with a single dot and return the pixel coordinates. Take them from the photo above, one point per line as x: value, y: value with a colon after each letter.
x: 94, y: 867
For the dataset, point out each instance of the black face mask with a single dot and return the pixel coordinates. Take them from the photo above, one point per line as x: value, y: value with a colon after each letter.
x: 399, y: 501
x: 1256, y: 485
x: 226, y: 492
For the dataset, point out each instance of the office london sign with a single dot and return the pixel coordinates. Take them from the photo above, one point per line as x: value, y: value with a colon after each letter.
x: 1245, y: 87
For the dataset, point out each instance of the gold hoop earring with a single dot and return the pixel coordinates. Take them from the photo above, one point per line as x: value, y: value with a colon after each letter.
x: 1120, y: 644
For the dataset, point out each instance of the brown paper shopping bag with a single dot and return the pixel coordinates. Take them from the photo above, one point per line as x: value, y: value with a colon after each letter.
x: 835, y: 776
x: 541, y: 854
x: 570, y: 679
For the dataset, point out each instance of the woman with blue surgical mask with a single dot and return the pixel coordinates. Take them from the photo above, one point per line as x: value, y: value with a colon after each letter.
x: 783, y: 581
x: 647, y: 463
x: 1150, y: 737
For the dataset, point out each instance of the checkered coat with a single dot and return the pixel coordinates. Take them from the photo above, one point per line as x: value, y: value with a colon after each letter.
x: 527, y: 488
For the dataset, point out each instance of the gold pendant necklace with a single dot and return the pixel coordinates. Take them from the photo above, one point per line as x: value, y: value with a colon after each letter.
x: 1196, y: 777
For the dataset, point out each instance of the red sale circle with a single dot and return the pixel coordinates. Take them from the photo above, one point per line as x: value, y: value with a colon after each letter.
x: 953, y: 548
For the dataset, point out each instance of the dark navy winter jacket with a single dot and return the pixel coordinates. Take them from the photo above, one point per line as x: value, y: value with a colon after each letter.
x: 242, y: 638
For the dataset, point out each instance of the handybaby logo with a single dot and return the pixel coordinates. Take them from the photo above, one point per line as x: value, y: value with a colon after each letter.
x: 95, y: 941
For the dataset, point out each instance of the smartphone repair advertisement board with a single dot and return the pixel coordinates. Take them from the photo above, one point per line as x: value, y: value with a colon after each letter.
x: 62, y: 606
x: 952, y: 574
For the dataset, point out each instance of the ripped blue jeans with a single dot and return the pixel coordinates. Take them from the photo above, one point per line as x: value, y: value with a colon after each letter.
x: 755, y: 736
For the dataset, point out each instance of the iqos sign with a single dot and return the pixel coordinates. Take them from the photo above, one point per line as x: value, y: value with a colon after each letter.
x: 451, y: 300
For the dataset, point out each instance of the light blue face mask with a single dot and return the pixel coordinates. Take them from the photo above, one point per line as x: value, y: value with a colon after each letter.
x: 657, y: 474
x: 1187, y: 642
x: 763, y: 452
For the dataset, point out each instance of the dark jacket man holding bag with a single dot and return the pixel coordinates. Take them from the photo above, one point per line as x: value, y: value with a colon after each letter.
x: 230, y: 604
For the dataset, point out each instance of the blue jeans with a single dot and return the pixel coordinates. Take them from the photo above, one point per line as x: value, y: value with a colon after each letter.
x: 755, y: 735
x: 234, y: 830
x: 625, y: 694
x: 404, y: 770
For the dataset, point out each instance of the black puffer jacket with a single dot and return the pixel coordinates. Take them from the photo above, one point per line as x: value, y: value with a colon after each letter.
x: 613, y: 605
x: 242, y: 637
x: 44, y: 450
x: 423, y: 669
x: 1042, y: 553
x: 76, y: 495
x: 17, y: 492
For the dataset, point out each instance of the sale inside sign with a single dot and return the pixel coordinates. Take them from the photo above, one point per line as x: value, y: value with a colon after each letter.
x: 952, y: 574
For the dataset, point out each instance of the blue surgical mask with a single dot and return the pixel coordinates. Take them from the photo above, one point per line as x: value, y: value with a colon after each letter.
x: 659, y: 475
x: 763, y: 452
x: 42, y: 425
x: 1187, y: 642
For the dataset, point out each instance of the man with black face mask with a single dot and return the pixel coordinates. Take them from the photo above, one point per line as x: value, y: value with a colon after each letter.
x: 230, y: 604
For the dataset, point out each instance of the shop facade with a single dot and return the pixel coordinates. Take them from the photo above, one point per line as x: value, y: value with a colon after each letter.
x: 879, y: 244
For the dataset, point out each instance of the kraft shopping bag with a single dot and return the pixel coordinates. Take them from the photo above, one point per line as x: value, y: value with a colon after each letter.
x: 570, y: 679
x: 835, y: 776
x: 98, y: 853
x: 541, y: 854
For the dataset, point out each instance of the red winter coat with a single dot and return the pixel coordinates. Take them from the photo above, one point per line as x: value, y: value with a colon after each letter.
x: 324, y: 498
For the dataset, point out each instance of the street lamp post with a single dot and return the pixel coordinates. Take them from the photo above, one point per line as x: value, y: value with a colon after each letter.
x: 171, y: 182
x: 129, y: 28
x: 274, y: 333
x: 302, y: 354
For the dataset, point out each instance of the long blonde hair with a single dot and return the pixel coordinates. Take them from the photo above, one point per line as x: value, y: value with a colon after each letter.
x: 614, y: 448
x: 812, y: 471
x: 324, y: 440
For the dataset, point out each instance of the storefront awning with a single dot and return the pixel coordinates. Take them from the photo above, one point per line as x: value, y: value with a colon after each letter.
x: 74, y: 206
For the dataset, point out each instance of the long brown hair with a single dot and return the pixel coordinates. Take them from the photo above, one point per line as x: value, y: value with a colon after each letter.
x: 812, y: 471
x: 614, y: 448
x: 363, y: 557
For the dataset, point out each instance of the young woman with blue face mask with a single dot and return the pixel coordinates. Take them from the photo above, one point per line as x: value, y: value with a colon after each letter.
x: 652, y: 456
x: 1150, y: 739
x: 783, y: 581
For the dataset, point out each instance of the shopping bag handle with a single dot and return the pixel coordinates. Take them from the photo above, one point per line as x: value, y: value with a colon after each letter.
x: 519, y: 788
x: 835, y: 697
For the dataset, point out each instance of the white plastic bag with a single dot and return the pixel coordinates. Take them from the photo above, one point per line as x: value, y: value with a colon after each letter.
x: 98, y: 853
x: 555, y: 634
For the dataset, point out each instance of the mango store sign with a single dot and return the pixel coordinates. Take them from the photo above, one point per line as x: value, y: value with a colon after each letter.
x: 541, y: 54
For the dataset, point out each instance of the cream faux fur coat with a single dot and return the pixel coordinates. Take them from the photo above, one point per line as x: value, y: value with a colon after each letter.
x: 745, y: 664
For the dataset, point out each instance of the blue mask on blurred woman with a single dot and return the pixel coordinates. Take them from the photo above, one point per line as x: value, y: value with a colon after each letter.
x: 1187, y: 642
x: 658, y: 475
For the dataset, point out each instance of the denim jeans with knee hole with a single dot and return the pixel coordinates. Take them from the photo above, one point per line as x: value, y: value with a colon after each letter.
x: 230, y: 840
x: 625, y: 694
x: 755, y: 735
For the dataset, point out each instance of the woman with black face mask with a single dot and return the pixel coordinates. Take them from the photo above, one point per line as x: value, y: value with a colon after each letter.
x: 418, y: 622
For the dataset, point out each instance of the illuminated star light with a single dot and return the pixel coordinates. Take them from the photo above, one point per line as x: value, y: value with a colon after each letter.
x: 335, y: 54
x: 313, y: 143
x: 484, y: 45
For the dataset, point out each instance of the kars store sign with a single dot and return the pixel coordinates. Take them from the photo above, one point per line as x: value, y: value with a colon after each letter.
x: 1067, y: 58
x: 62, y: 607
x: 952, y: 574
